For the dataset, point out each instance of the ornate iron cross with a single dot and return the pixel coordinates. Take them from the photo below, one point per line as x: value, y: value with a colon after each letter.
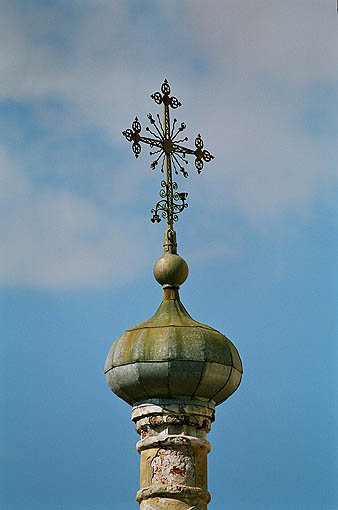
x: 171, y: 152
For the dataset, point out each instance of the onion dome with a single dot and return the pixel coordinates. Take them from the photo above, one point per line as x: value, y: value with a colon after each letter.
x: 172, y: 356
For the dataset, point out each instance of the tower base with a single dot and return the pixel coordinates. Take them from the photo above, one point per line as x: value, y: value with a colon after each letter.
x: 173, y: 448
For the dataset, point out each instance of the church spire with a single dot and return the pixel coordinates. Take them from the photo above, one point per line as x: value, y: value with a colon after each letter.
x: 172, y: 369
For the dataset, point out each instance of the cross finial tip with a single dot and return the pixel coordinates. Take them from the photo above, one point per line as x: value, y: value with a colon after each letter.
x: 169, y: 153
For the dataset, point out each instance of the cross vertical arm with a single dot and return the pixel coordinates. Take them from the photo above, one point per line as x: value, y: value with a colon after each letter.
x: 169, y: 152
x: 169, y: 176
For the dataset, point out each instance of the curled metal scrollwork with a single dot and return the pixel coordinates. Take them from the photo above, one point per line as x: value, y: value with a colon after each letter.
x: 133, y: 135
x: 172, y: 204
x: 169, y: 152
x: 165, y: 97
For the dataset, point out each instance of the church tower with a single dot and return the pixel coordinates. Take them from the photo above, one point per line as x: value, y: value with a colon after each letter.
x: 171, y: 369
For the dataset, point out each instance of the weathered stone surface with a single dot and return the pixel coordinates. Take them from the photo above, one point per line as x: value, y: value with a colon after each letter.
x: 169, y: 504
x: 173, y: 356
x: 173, y: 448
x: 172, y: 466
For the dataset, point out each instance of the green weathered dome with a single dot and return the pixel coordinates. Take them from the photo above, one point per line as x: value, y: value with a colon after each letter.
x: 173, y: 356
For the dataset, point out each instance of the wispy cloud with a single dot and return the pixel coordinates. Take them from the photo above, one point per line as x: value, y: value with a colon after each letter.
x: 58, y: 239
x: 251, y: 78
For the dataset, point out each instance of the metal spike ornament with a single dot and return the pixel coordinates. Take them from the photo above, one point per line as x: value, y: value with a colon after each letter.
x: 169, y: 153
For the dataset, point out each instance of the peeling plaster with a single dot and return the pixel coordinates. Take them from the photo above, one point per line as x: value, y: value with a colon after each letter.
x: 171, y: 466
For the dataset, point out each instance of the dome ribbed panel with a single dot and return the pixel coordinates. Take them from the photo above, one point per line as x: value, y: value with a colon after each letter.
x: 184, y: 377
x: 214, y: 377
x: 172, y: 355
x: 229, y: 388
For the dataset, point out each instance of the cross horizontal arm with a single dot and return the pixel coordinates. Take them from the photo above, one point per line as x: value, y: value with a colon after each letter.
x: 151, y: 141
x: 169, y: 152
x: 183, y: 150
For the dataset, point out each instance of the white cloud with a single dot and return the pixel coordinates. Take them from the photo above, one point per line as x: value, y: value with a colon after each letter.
x: 57, y: 239
x: 246, y: 74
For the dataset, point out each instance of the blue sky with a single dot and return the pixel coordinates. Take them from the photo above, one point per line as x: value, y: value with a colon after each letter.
x: 259, y: 81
